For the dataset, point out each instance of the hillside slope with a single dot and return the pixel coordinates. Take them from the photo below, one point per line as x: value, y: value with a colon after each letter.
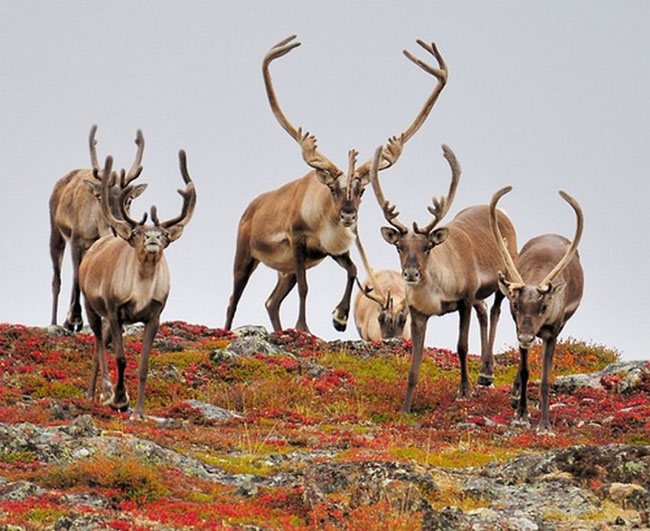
x: 285, y: 431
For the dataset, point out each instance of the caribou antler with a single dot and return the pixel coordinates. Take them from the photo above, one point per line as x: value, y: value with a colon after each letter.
x: 389, y: 210
x: 442, y: 205
x: 307, y: 141
x: 92, y: 144
x: 501, y: 245
x: 136, y: 167
x: 545, y: 284
x: 188, y: 194
x: 393, y: 149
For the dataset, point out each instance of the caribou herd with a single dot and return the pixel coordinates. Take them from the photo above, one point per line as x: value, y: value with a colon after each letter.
x: 119, y: 265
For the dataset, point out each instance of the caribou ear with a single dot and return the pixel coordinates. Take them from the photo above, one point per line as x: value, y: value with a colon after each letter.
x: 175, y: 232
x: 94, y: 188
x: 390, y: 235
x: 438, y: 236
x: 505, y: 286
x: 326, y: 178
x: 553, y: 289
x: 137, y: 190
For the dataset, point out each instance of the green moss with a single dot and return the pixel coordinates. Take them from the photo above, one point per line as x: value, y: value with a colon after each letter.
x: 17, y: 457
x: 45, y: 515
x: 453, y: 457
x: 180, y: 360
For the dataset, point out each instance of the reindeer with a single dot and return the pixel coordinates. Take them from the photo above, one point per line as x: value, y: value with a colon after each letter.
x: 76, y: 218
x: 295, y: 227
x: 384, y: 315
x: 544, y: 290
x: 448, y: 269
x: 380, y: 309
x: 125, y: 279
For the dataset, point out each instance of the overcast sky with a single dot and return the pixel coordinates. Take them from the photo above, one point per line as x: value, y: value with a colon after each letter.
x: 541, y: 95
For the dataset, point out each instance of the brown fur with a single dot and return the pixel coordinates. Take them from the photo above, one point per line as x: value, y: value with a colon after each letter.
x: 296, y: 226
x: 76, y: 219
x: 125, y: 279
x: 446, y: 269
x: 376, y: 321
x: 544, y: 291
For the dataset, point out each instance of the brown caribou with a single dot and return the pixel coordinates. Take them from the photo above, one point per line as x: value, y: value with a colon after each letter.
x: 449, y: 269
x: 544, y: 287
x: 296, y: 226
x: 125, y: 279
x: 76, y: 217
x: 380, y: 309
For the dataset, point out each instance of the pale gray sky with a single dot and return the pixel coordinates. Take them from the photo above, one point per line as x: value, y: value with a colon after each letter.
x: 541, y: 95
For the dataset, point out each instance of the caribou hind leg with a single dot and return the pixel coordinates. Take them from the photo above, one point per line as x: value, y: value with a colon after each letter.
x: 57, y: 248
x: 286, y: 282
x: 244, y: 266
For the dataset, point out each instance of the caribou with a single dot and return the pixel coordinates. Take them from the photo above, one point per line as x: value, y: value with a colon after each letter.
x: 125, y: 279
x: 380, y: 309
x: 76, y: 218
x: 544, y: 287
x: 447, y: 269
x: 298, y: 225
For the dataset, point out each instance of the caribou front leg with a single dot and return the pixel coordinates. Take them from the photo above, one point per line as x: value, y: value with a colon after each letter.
x: 342, y: 310
x: 300, y: 252
x: 150, y: 329
x: 418, y: 329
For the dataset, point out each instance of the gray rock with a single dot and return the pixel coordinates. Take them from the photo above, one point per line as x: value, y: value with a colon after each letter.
x: 212, y: 412
x: 251, y: 331
x: 20, y: 490
x: 633, y: 371
x: 87, y: 499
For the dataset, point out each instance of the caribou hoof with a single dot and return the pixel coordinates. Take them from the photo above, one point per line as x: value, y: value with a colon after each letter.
x: 137, y: 416
x: 520, y: 422
x: 485, y: 380
x: 73, y: 325
x: 340, y: 324
x: 548, y: 432
x: 514, y: 401
x: 118, y: 403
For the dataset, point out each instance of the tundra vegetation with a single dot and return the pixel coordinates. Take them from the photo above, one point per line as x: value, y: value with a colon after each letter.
x: 310, y: 436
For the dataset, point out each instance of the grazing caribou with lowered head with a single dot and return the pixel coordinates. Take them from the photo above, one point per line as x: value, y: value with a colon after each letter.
x: 380, y: 309
x: 297, y: 226
x: 544, y: 286
x: 448, y: 269
x: 125, y: 279
x: 76, y: 217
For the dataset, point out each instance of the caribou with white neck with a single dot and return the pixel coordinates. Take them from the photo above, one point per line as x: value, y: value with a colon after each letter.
x: 125, y: 279
x: 447, y: 269
x: 297, y: 226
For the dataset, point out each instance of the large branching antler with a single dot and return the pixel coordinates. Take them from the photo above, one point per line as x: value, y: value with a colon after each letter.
x: 514, y: 275
x: 123, y: 226
x: 545, y: 284
x: 442, y: 205
x: 306, y: 140
x: 136, y: 167
x: 389, y: 210
x: 188, y: 194
x: 393, y: 149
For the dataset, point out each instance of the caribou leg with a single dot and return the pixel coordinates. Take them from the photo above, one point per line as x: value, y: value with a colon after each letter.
x: 342, y: 310
x: 418, y: 330
x: 286, y: 282
x: 244, y: 266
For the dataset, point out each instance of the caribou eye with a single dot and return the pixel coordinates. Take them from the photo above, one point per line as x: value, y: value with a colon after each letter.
x: 544, y: 308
